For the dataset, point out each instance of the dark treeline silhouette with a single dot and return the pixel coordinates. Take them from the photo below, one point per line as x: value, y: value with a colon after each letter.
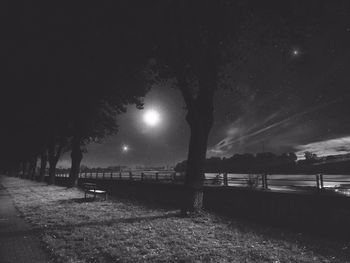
x: 85, y: 169
x: 271, y: 163
x: 64, y: 81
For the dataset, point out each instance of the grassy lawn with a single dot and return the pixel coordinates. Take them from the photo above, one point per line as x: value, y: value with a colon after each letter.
x: 127, y: 231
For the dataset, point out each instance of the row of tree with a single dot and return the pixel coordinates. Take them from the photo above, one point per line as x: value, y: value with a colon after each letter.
x: 248, y: 163
x: 271, y: 163
x: 65, y: 80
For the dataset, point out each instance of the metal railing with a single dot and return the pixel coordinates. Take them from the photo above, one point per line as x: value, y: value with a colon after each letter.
x: 282, y: 182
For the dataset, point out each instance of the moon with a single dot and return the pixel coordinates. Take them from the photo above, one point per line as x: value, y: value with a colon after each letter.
x: 125, y: 148
x: 151, y: 118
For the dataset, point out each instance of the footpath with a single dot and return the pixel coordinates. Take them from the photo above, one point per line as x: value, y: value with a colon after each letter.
x: 19, y: 242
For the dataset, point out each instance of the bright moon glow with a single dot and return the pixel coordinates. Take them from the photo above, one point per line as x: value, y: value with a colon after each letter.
x: 151, y: 117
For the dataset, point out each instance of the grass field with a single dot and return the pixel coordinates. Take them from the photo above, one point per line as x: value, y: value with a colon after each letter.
x: 120, y: 230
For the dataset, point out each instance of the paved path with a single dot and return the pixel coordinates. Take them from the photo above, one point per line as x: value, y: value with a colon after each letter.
x: 18, y: 242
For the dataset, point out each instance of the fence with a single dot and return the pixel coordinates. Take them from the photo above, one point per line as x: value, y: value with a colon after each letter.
x: 338, y: 183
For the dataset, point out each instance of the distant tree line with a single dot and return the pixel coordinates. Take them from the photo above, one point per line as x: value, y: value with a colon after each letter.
x: 271, y: 163
x: 86, y: 169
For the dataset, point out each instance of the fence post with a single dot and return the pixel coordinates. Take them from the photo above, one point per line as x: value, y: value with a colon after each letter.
x: 120, y: 175
x: 225, y: 179
x: 85, y: 174
x: 157, y: 177
x: 321, y: 181
x: 173, y: 177
x: 91, y: 174
x: 142, y: 175
x: 265, y: 180
x: 130, y: 176
x: 111, y: 175
x: 103, y: 175
x: 96, y: 174
x: 317, y: 181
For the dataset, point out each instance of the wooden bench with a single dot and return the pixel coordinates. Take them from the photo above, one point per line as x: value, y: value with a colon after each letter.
x: 90, y: 188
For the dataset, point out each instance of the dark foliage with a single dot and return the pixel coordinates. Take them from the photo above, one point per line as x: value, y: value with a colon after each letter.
x: 249, y: 163
x: 270, y: 163
x: 69, y: 69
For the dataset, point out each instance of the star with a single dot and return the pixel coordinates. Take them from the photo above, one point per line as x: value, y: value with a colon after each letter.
x: 296, y: 52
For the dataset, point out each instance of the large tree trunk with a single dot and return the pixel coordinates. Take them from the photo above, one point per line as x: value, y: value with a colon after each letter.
x: 76, y: 156
x: 193, y: 195
x: 200, y: 119
x: 43, y: 163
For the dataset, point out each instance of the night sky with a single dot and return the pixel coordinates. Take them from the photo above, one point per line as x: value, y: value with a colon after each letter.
x: 290, y: 95
x: 289, y: 99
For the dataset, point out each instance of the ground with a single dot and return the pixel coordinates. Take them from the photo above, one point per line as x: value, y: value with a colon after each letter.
x: 120, y: 230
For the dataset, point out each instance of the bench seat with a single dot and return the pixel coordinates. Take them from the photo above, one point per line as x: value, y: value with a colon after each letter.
x: 90, y: 188
x: 97, y: 191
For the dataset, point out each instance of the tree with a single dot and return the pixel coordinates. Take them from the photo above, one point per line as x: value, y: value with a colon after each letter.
x: 108, y: 79
x: 199, y: 46
x: 189, y: 53
x: 310, y: 158
x: 55, y: 148
x: 43, y: 164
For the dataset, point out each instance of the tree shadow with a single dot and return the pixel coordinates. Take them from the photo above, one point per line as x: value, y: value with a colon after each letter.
x: 111, y: 222
x: 79, y: 200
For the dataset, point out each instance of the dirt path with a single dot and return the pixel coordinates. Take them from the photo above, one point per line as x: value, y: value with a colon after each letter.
x: 18, y: 241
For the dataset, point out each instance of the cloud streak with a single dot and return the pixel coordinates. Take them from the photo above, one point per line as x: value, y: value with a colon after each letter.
x: 240, y: 131
x: 336, y: 146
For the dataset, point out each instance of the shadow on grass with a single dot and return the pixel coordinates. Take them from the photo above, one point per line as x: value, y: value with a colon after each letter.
x: 130, y: 220
x: 79, y: 200
x: 29, y: 187
x: 317, y: 243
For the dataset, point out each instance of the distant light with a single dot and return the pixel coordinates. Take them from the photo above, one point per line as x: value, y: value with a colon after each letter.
x: 296, y: 52
x: 151, y: 117
x: 125, y: 148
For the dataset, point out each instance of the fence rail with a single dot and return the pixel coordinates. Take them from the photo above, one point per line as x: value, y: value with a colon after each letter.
x: 256, y: 181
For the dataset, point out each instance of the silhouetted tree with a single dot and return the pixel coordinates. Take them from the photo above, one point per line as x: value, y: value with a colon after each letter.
x: 104, y: 85
x: 198, y: 47
x: 43, y: 164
